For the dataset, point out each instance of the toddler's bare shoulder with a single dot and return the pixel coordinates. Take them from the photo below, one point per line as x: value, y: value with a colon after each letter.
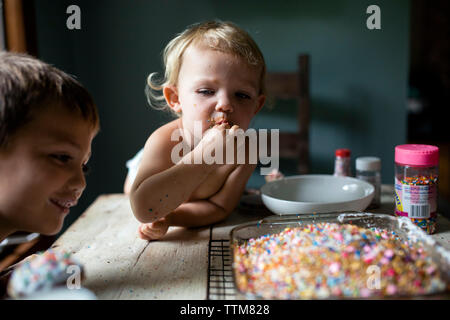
x: 161, y: 137
x: 166, y: 130
x: 157, y: 152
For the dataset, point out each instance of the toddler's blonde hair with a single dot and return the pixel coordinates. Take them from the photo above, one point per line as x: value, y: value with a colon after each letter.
x: 217, y: 35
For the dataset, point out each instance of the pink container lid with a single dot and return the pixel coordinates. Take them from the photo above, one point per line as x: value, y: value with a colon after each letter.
x: 417, y: 155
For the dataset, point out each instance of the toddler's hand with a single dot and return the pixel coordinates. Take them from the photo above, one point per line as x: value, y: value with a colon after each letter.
x: 153, y: 231
x: 211, y: 136
x: 221, y: 136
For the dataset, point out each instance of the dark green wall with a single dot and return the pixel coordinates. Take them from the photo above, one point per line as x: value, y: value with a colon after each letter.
x: 358, y: 76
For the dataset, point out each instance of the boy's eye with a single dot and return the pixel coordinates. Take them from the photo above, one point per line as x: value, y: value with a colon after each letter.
x: 64, y: 158
x: 206, y: 92
x: 242, y: 95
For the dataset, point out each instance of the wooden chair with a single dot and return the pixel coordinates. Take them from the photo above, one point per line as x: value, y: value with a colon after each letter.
x: 293, y: 85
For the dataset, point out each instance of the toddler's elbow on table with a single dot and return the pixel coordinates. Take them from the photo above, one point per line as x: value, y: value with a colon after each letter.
x: 139, y: 217
x: 138, y: 210
x: 222, y: 213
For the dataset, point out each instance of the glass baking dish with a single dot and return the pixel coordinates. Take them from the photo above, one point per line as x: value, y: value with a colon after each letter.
x: 402, y: 227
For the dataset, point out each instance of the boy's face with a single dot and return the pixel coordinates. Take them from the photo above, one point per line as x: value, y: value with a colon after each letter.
x: 215, y: 87
x: 42, y: 170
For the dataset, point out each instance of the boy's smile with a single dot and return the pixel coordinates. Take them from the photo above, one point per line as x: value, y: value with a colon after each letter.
x: 64, y: 204
x: 42, y: 169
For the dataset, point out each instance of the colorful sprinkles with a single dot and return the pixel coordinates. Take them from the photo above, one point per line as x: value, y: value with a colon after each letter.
x: 420, y: 180
x: 329, y: 260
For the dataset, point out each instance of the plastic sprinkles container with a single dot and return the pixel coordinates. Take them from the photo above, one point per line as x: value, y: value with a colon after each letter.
x: 416, y: 183
x: 342, y: 163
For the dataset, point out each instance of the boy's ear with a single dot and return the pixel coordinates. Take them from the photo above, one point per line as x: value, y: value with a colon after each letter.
x: 171, y: 96
x: 260, y: 103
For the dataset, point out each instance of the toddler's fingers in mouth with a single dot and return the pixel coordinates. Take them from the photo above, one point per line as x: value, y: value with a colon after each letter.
x: 222, y: 125
x: 234, y: 128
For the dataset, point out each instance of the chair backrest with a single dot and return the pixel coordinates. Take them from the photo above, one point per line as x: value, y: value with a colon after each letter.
x: 294, y: 85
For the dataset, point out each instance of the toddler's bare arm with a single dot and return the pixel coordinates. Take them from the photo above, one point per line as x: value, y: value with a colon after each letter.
x: 216, y: 208
x: 160, y: 186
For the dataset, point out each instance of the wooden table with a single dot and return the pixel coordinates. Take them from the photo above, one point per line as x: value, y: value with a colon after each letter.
x: 119, y: 265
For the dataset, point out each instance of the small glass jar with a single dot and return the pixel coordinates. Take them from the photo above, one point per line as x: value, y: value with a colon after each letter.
x: 342, y: 163
x: 416, y: 183
x: 368, y: 169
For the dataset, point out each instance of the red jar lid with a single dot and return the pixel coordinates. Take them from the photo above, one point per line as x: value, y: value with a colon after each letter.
x: 345, y: 153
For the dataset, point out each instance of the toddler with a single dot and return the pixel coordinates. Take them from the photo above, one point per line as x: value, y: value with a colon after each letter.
x: 214, y: 81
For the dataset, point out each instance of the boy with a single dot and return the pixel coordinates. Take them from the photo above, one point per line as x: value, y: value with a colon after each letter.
x: 47, y: 123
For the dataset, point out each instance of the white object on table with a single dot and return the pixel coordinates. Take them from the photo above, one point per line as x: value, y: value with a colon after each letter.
x: 316, y: 194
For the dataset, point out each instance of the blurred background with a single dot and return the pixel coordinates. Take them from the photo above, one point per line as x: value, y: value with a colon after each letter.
x: 370, y: 90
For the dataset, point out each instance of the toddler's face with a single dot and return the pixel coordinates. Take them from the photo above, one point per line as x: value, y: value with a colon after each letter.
x: 42, y: 170
x: 215, y: 87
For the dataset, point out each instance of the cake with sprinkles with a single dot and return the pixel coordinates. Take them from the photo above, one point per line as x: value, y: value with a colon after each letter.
x: 41, y: 272
x: 331, y: 260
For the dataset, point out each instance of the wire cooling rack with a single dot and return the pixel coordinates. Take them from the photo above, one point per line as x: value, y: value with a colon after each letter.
x: 220, y: 277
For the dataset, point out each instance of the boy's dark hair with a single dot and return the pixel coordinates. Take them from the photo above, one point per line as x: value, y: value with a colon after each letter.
x: 26, y: 84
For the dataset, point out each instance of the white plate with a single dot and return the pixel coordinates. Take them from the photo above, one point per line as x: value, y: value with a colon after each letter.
x: 316, y: 194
